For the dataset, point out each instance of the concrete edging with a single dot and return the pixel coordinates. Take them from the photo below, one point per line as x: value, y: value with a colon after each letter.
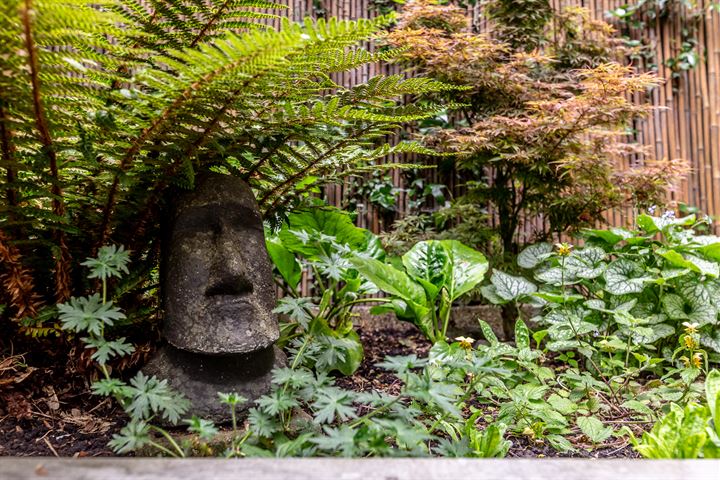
x: 39, y: 468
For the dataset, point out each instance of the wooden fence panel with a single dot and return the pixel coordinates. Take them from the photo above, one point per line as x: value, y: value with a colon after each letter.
x: 685, y: 125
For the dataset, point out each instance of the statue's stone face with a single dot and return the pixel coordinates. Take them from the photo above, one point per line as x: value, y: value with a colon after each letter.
x: 217, y: 287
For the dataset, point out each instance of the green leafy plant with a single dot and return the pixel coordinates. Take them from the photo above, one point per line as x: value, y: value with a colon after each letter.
x: 426, y: 417
x: 434, y: 274
x: 689, y: 432
x: 627, y: 299
x: 143, y: 398
x: 322, y: 241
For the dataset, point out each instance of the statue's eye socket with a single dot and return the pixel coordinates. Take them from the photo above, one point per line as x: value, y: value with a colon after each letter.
x: 215, y: 226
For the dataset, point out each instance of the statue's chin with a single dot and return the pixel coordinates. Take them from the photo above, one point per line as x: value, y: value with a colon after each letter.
x: 223, y: 324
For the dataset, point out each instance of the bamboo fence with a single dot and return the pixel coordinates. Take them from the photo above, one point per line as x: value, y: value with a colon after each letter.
x: 686, y: 123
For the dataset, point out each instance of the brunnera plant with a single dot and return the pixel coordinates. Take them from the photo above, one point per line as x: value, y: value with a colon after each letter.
x: 628, y: 301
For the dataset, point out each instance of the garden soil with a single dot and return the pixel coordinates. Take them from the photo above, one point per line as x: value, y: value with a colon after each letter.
x: 46, y: 412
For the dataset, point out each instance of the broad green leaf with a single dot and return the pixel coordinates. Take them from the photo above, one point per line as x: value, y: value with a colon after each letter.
x: 594, y: 429
x: 699, y: 292
x: 712, y: 250
x: 488, y: 333
x: 428, y: 263
x: 674, y: 306
x: 611, y: 236
x: 638, y: 406
x: 320, y: 221
x: 556, y: 276
x: 533, y: 255
x: 653, y: 333
x: 490, y: 293
x: 711, y: 340
x: 691, y: 262
x: 467, y: 268
x: 511, y: 288
x: 389, y: 279
x: 623, y: 277
x: 373, y: 246
x: 586, y: 263
x: 341, y: 352
x: 691, y: 308
x: 285, y: 262
x: 558, y: 297
x: 562, y: 405
x: 522, y: 335
x: 658, y: 224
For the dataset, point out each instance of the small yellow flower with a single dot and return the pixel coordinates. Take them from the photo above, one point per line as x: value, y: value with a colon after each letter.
x: 563, y: 249
x: 465, y: 342
x: 690, y: 342
x: 697, y: 360
x: 690, y: 328
x: 685, y: 360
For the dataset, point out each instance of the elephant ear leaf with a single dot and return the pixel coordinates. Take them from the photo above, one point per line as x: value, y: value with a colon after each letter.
x: 389, y: 279
x: 285, y: 262
x: 427, y: 263
x: 467, y: 267
x: 330, y: 223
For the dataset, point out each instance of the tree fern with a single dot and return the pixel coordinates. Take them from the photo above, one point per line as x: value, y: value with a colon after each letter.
x: 42, y: 101
x: 159, y: 25
x: 126, y: 98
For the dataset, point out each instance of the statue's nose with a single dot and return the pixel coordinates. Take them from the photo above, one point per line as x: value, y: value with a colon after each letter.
x: 228, y: 273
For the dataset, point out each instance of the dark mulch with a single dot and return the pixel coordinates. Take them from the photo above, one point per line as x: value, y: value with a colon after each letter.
x: 523, y: 447
x: 394, y: 340
x: 47, y: 411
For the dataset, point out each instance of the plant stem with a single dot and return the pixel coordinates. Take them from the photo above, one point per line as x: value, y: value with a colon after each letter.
x: 374, y: 412
x: 294, y: 365
x: 169, y: 439
x: 469, y: 390
x: 163, y: 449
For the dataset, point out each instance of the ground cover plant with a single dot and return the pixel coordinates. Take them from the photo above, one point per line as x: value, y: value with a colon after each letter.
x: 578, y: 381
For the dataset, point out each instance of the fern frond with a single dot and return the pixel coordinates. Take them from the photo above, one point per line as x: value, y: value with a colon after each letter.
x: 161, y: 25
x: 17, y: 281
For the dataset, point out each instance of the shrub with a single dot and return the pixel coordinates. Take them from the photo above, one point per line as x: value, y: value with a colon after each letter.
x: 535, y: 133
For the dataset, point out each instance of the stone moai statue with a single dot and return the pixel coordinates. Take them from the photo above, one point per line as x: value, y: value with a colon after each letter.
x: 217, y: 295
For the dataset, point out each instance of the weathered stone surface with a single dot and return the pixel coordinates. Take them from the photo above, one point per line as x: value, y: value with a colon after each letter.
x: 355, y: 469
x: 463, y: 320
x: 201, y: 377
x: 216, y: 277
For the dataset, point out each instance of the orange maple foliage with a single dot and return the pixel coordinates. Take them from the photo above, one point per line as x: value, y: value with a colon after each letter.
x: 542, y: 131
